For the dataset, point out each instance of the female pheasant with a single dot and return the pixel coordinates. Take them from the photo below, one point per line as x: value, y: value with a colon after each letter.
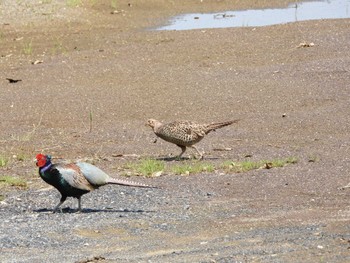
x: 185, y: 133
x: 75, y: 179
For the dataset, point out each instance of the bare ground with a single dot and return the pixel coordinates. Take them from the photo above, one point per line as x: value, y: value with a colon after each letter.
x: 112, y: 67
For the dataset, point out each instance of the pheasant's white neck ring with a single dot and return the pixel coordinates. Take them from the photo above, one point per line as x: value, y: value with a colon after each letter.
x: 46, y: 167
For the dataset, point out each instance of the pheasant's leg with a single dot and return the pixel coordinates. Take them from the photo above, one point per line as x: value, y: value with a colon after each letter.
x: 200, y: 154
x: 63, y: 198
x: 79, y: 204
x: 183, y: 149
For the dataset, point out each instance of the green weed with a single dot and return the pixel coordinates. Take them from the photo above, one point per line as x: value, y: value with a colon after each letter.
x: 21, y: 156
x: 2, y: 36
x: 73, y: 3
x: 114, y: 4
x: 28, y: 48
x: 90, y: 120
x: 93, y: 2
x: 147, y: 167
x: 181, y: 169
x: 3, y: 161
x: 198, y: 167
x: 13, y: 181
x: 291, y: 160
x: 245, y: 166
x: 58, y: 47
x: 151, y: 167
x: 27, y: 136
x: 238, y: 167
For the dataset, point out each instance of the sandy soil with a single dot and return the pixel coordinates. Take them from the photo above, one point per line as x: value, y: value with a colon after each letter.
x: 76, y: 59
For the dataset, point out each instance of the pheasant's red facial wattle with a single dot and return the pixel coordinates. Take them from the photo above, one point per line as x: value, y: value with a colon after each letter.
x: 40, y: 160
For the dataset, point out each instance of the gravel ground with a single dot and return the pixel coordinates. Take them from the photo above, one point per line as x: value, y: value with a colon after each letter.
x: 182, y: 224
x: 76, y: 59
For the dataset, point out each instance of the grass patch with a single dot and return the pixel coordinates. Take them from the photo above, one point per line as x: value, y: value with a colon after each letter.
x: 93, y: 2
x: 2, y: 198
x: 21, y: 157
x: 187, y: 168
x: 28, y: 136
x: 2, y: 36
x: 114, y: 4
x: 147, y: 167
x: 73, y: 3
x: 281, y: 162
x: 12, y: 181
x: 3, y: 161
x: 90, y: 121
x: 151, y: 167
x: 291, y: 160
x: 245, y: 166
x: 58, y: 47
x: 28, y: 48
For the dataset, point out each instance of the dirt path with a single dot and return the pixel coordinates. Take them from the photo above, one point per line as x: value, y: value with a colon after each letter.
x: 80, y: 65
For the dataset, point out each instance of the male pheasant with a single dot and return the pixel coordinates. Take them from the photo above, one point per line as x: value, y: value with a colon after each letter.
x: 185, y: 133
x: 75, y: 179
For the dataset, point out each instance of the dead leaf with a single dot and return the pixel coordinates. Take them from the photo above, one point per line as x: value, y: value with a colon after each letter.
x: 125, y: 155
x: 344, y: 187
x: 13, y: 80
x: 117, y: 12
x: 157, y: 174
x: 36, y: 62
x: 117, y: 155
x: 305, y: 44
x: 222, y: 149
x: 268, y: 165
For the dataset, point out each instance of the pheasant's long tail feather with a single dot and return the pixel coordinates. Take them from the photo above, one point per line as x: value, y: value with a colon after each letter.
x: 219, y: 125
x: 128, y: 183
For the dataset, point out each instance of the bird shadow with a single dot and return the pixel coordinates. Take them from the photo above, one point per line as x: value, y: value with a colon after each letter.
x: 68, y: 210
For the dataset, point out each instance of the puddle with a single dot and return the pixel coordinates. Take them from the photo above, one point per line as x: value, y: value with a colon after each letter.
x: 299, y: 11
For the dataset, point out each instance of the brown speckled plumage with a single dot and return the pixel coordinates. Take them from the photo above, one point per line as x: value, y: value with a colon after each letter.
x: 185, y: 133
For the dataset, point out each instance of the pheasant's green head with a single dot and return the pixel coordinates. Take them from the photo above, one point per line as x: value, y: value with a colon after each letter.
x: 42, y: 160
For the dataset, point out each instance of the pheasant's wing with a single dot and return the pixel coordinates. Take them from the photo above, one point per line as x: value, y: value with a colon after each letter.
x: 74, y: 177
x: 93, y: 174
x: 191, y: 130
x: 197, y: 130
x: 186, y: 130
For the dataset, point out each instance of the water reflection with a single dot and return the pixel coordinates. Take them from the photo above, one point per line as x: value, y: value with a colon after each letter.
x: 299, y: 11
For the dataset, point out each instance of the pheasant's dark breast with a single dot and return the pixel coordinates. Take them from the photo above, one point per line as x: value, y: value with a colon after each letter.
x: 54, y: 178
